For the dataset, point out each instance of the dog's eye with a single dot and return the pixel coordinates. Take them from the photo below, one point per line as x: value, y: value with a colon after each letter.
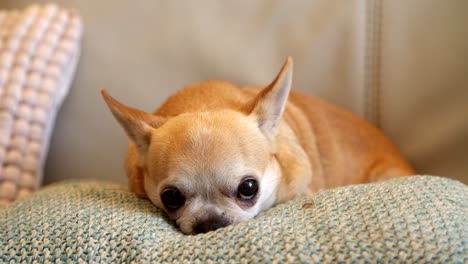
x: 172, y: 198
x: 247, y: 189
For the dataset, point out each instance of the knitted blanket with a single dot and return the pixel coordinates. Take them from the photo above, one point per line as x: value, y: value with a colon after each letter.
x: 416, y: 219
x: 39, y: 48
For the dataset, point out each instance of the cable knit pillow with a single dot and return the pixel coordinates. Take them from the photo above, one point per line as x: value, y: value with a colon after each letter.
x: 39, y: 49
x: 405, y: 220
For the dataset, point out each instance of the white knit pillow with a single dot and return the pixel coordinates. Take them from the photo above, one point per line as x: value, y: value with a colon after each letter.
x: 39, y: 50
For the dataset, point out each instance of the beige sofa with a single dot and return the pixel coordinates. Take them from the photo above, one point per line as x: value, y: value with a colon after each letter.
x: 401, y: 65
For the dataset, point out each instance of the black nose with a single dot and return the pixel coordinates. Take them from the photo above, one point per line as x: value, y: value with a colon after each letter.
x: 210, y: 224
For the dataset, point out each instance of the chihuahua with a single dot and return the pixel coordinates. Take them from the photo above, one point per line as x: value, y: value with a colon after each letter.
x: 215, y: 154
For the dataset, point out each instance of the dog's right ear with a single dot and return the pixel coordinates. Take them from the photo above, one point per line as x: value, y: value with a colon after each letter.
x: 137, y: 124
x: 269, y: 105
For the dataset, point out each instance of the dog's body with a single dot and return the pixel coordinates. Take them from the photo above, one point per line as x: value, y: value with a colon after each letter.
x: 214, y: 154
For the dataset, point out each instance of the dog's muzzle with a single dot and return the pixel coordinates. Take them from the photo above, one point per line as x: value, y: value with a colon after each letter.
x: 211, y: 223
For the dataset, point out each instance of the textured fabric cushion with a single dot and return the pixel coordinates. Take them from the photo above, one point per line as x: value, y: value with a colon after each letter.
x: 38, y: 54
x: 414, y: 219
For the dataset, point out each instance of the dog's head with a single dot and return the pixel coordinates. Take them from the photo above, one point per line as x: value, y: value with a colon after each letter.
x: 207, y: 169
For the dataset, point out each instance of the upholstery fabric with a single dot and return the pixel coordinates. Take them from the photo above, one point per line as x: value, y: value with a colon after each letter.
x: 38, y: 53
x: 418, y: 219
x: 396, y: 63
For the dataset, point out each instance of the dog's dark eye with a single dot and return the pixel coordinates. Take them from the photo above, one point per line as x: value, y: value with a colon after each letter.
x: 247, y: 189
x: 172, y: 198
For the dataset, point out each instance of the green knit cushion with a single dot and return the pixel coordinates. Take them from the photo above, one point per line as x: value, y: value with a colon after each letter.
x: 414, y: 219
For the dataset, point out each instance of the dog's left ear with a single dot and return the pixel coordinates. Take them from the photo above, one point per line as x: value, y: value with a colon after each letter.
x: 270, y: 103
x: 136, y: 123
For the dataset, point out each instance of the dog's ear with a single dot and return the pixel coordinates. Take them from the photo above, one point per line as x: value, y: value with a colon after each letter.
x: 137, y: 124
x: 270, y: 103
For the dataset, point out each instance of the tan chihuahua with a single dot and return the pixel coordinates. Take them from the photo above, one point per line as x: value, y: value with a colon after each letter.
x: 214, y: 154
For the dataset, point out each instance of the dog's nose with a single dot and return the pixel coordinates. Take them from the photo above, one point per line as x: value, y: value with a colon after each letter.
x: 210, y: 224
